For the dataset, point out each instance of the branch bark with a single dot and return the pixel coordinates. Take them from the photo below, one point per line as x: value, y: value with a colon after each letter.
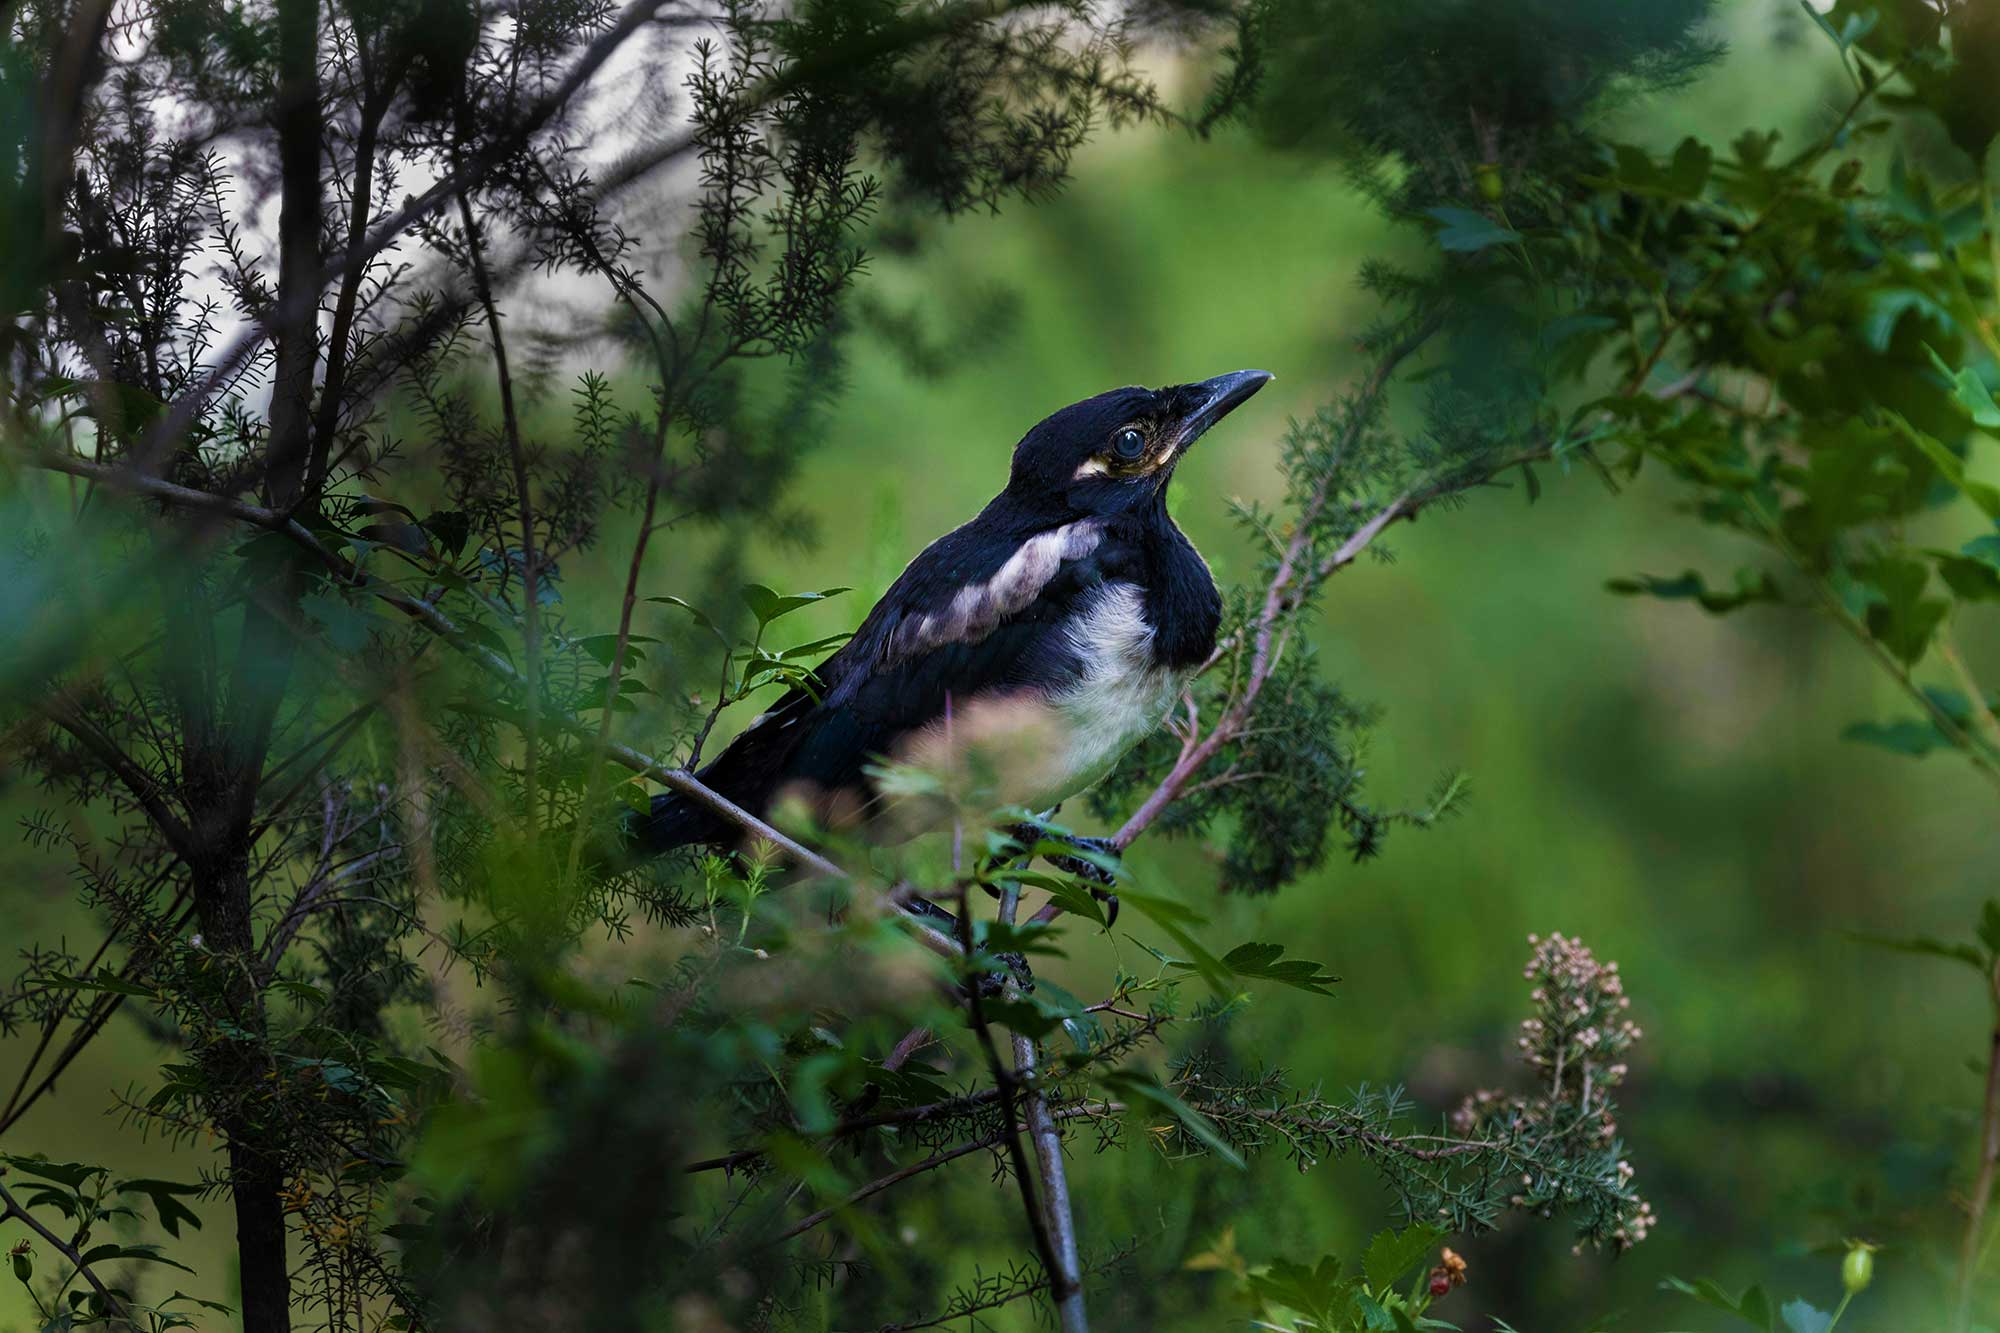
x: 1065, y: 1268
x: 10, y: 1208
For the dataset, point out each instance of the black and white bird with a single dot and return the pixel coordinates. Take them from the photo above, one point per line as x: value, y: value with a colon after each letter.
x: 1072, y: 611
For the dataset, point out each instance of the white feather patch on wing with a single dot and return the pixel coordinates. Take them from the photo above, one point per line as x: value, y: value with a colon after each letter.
x: 1021, y: 747
x: 978, y: 608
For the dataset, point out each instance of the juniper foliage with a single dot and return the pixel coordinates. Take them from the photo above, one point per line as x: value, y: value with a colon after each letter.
x: 332, y: 756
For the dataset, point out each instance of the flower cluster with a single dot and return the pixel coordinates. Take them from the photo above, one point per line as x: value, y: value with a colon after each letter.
x: 1577, y: 1042
x: 1579, y: 1035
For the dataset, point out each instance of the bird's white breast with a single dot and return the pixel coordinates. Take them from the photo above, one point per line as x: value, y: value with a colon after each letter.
x: 1122, y: 697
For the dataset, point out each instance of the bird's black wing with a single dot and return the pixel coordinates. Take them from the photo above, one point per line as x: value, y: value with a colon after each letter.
x: 981, y: 611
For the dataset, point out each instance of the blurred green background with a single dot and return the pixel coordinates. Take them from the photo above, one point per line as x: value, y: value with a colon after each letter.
x: 1670, y: 787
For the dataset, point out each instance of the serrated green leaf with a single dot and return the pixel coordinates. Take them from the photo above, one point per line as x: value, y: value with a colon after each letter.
x: 73, y: 1175
x: 1463, y: 231
x: 1265, y: 961
x: 1393, y: 1253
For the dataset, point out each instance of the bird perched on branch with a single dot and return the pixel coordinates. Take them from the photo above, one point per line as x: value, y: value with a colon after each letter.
x: 1056, y: 630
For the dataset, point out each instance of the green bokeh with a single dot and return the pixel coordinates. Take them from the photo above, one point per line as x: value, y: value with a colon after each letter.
x: 1668, y: 786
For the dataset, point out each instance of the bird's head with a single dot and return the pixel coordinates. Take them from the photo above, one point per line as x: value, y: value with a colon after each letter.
x: 1117, y: 451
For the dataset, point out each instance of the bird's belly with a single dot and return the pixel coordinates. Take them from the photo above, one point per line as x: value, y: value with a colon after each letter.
x: 1038, y: 745
x: 1101, y: 720
x: 1121, y: 697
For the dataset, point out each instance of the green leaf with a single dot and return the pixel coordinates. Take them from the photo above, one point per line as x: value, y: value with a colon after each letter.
x: 346, y: 626
x: 166, y: 1197
x: 1989, y: 926
x: 1915, y: 737
x: 1949, y: 465
x: 1689, y: 171
x: 1036, y: 937
x: 1852, y: 29
x: 450, y: 528
x: 73, y: 1175
x: 1970, y: 392
x: 1969, y: 578
x: 1464, y: 231
x: 1886, y: 309
x: 816, y: 646
x: 1174, y: 919
x: 1751, y: 586
x: 700, y: 617
x: 1262, y: 960
x: 145, y: 1253
x: 105, y: 980
x: 1985, y: 549
x: 1753, y: 1307
x: 1924, y: 946
x: 1393, y: 1253
x: 603, y: 647
x: 1903, y: 619
x: 1318, y: 1292
x: 767, y: 605
x: 1138, y: 1089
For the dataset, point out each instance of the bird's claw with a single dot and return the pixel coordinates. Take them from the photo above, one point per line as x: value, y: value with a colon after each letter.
x: 992, y: 984
x: 1101, y: 880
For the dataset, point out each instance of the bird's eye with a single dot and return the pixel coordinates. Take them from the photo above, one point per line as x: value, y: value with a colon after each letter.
x: 1128, y: 444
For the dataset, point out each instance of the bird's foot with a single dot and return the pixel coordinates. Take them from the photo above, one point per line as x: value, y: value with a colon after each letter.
x: 991, y: 982
x: 1102, y: 880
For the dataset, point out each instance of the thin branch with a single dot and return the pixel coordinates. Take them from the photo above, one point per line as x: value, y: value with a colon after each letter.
x: 531, y: 611
x: 1066, y: 1270
x: 111, y: 1302
x: 876, y: 1186
x: 906, y: 1115
x: 1989, y: 1166
x: 134, y: 778
x: 1004, y: 1081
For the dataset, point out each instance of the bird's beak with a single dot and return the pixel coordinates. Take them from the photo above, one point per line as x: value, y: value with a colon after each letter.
x: 1212, y: 400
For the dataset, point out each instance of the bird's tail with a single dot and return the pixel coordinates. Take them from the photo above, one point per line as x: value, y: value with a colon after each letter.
x: 675, y: 821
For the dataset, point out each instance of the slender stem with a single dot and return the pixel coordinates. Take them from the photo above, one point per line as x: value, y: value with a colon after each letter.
x: 1968, y: 744
x: 1982, y: 712
x: 593, y: 785
x: 876, y: 1186
x: 1066, y: 1272
x: 906, y: 1115
x: 1004, y: 1081
x: 1989, y: 1165
x: 531, y: 611
x: 9, y: 1208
